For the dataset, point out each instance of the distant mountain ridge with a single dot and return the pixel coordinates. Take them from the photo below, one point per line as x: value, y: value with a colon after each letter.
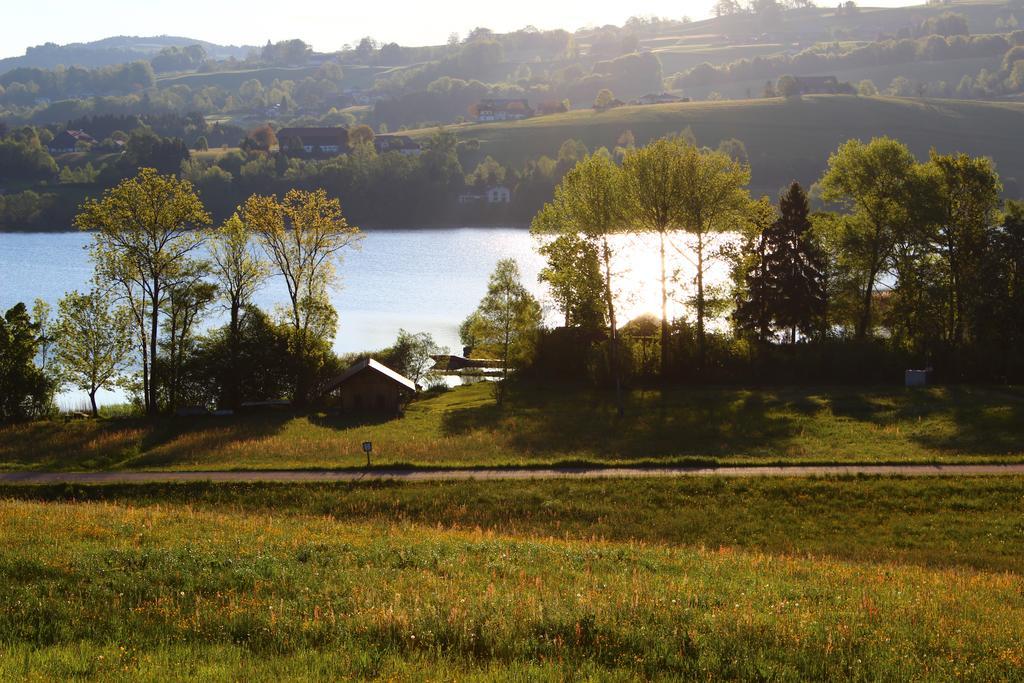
x: 113, y: 50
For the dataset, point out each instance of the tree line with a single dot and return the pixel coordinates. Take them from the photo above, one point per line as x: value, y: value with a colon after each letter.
x: 908, y: 263
x: 827, y: 57
x: 160, y: 270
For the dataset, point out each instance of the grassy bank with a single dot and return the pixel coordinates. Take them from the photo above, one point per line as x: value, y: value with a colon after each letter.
x: 124, y: 592
x: 557, y: 424
x: 933, y: 522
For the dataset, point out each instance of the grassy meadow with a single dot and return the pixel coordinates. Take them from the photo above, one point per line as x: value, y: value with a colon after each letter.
x: 970, y: 523
x: 262, y: 582
x: 545, y: 425
x: 354, y: 76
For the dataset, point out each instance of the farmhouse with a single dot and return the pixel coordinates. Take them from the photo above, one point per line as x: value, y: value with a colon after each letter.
x: 403, y: 144
x: 371, y: 386
x: 65, y: 141
x: 503, y: 110
x: 498, y: 194
x: 317, y: 142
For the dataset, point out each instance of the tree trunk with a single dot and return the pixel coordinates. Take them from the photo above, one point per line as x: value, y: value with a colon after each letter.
x: 234, y: 395
x: 154, y: 322
x: 664, y: 311
x: 865, y: 314
x: 763, y: 324
x: 610, y: 303
x: 92, y: 400
x: 504, y: 369
x: 145, y: 368
x: 701, y: 348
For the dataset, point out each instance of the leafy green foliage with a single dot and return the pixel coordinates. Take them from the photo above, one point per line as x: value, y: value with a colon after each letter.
x: 506, y: 322
x: 25, y: 390
x: 144, y: 241
x: 93, y: 341
x: 573, y: 275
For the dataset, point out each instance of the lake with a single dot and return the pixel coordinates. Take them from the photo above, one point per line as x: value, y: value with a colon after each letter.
x: 421, y: 280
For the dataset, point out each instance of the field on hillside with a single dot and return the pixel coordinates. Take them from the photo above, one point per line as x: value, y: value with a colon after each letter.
x: 866, y: 23
x: 948, y: 70
x: 681, y: 57
x: 542, y: 425
x: 786, y: 139
x: 355, y: 76
x: 129, y: 591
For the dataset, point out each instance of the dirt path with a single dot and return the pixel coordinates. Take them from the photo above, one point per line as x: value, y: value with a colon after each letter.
x: 511, y: 473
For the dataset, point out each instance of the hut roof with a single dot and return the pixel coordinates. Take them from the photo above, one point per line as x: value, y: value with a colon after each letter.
x: 370, y: 364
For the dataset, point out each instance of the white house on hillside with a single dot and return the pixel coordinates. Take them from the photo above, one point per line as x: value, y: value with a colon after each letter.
x: 498, y: 194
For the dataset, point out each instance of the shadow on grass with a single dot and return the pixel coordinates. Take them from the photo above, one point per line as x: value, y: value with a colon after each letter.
x: 170, y: 440
x: 985, y: 420
x: 978, y: 420
x: 658, y: 424
x: 343, y: 421
x: 88, y: 444
x: 128, y: 442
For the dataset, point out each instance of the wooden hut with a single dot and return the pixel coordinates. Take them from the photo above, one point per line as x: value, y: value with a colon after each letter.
x: 369, y: 386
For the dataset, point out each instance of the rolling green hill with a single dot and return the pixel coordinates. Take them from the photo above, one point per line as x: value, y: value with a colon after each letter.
x: 785, y: 139
x: 948, y: 70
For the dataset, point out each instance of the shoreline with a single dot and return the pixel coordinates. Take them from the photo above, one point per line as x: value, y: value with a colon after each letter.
x: 369, y: 228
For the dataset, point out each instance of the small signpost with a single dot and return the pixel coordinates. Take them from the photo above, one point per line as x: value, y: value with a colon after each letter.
x: 367, y: 448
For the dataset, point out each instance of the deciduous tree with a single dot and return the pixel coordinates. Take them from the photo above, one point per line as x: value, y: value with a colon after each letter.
x: 146, y: 231
x: 880, y: 185
x: 969, y: 194
x: 573, y: 275
x: 654, y: 178
x: 507, y: 320
x: 713, y: 200
x: 304, y: 236
x: 589, y: 203
x: 93, y: 341
x: 239, y: 270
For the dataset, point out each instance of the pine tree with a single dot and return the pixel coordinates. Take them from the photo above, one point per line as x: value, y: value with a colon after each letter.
x: 751, y: 288
x: 794, y: 268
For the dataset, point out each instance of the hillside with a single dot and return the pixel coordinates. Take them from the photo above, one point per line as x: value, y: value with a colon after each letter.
x: 785, y: 139
x: 354, y: 76
x: 825, y: 23
x: 113, y: 50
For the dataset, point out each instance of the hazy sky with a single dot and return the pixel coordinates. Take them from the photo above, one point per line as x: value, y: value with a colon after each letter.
x: 326, y: 24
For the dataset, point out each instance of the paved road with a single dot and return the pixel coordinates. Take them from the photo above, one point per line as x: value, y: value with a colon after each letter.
x: 523, y: 473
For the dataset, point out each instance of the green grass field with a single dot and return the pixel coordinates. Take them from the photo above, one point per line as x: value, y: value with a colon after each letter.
x: 354, y: 76
x: 948, y: 70
x: 971, y: 522
x: 785, y: 139
x: 559, y: 424
x: 323, y: 583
